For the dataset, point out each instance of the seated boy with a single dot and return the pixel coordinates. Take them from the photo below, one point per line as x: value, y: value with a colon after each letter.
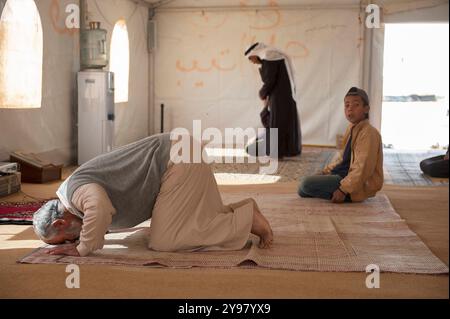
x: 357, y: 173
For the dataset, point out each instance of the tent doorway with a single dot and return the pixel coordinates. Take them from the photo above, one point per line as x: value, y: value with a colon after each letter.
x: 416, y: 80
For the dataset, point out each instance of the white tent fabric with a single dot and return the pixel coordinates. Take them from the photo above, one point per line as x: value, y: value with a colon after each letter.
x: 249, y: 3
x: 202, y: 73
x: 132, y: 116
x: 21, y: 47
x: 320, y: 91
x: 199, y: 70
x: 53, y: 126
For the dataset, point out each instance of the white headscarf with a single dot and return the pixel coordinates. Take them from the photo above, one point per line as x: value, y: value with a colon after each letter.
x: 268, y: 53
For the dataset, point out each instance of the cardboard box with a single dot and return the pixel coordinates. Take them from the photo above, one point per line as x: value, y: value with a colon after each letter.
x: 36, y: 169
x: 9, y: 184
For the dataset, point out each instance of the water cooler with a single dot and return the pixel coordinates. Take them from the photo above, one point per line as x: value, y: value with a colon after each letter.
x: 95, y: 97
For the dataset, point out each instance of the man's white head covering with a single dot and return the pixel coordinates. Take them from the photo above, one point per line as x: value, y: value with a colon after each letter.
x: 268, y: 53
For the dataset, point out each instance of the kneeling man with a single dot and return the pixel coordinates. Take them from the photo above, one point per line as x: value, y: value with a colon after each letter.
x: 139, y: 181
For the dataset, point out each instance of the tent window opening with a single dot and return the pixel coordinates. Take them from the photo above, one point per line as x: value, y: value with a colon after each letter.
x: 120, y: 61
x: 21, y: 55
x: 416, y: 79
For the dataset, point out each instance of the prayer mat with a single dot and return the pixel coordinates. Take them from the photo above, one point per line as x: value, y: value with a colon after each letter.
x: 309, y: 235
x: 18, y: 213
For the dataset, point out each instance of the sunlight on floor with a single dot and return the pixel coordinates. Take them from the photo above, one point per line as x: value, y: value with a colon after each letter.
x: 237, y: 156
x: 245, y: 179
x: 7, y: 243
x: 226, y: 152
x: 115, y: 247
x: 12, y: 237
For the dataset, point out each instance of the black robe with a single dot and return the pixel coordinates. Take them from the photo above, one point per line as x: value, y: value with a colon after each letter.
x: 283, y: 109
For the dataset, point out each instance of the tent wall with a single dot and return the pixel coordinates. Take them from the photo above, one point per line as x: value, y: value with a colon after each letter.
x: 53, y: 125
x: 427, y: 15
x: 224, y: 28
x: 131, y: 117
x: 201, y: 71
x: 417, y: 11
x: 373, y: 72
x: 239, y: 4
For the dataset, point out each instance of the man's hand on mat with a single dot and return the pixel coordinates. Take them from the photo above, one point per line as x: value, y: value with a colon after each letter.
x: 338, y: 197
x: 69, y: 250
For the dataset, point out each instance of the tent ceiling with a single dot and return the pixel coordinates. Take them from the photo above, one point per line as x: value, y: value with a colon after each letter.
x: 237, y: 3
x: 390, y: 6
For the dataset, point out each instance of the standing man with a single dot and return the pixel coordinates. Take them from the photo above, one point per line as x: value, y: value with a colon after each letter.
x: 279, y: 95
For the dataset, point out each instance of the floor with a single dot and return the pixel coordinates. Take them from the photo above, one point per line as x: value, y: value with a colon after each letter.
x: 424, y: 208
x: 400, y: 167
x: 403, y: 168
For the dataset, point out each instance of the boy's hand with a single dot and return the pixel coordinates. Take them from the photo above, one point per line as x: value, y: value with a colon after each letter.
x: 338, y: 197
x: 228, y: 209
x: 68, y: 250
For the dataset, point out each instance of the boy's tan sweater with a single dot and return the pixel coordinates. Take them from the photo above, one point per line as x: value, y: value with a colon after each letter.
x: 365, y: 177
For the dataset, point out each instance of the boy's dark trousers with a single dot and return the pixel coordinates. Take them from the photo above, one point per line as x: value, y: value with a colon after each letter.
x: 320, y: 186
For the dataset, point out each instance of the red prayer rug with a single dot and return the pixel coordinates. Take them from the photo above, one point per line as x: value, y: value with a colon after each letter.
x: 18, y: 213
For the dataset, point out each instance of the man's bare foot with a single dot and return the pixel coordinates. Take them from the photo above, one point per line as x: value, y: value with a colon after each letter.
x: 262, y: 229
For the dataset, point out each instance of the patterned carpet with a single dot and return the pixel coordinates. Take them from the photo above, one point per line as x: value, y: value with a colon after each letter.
x: 311, y: 161
x: 400, y: 168
x: 18, y: 213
